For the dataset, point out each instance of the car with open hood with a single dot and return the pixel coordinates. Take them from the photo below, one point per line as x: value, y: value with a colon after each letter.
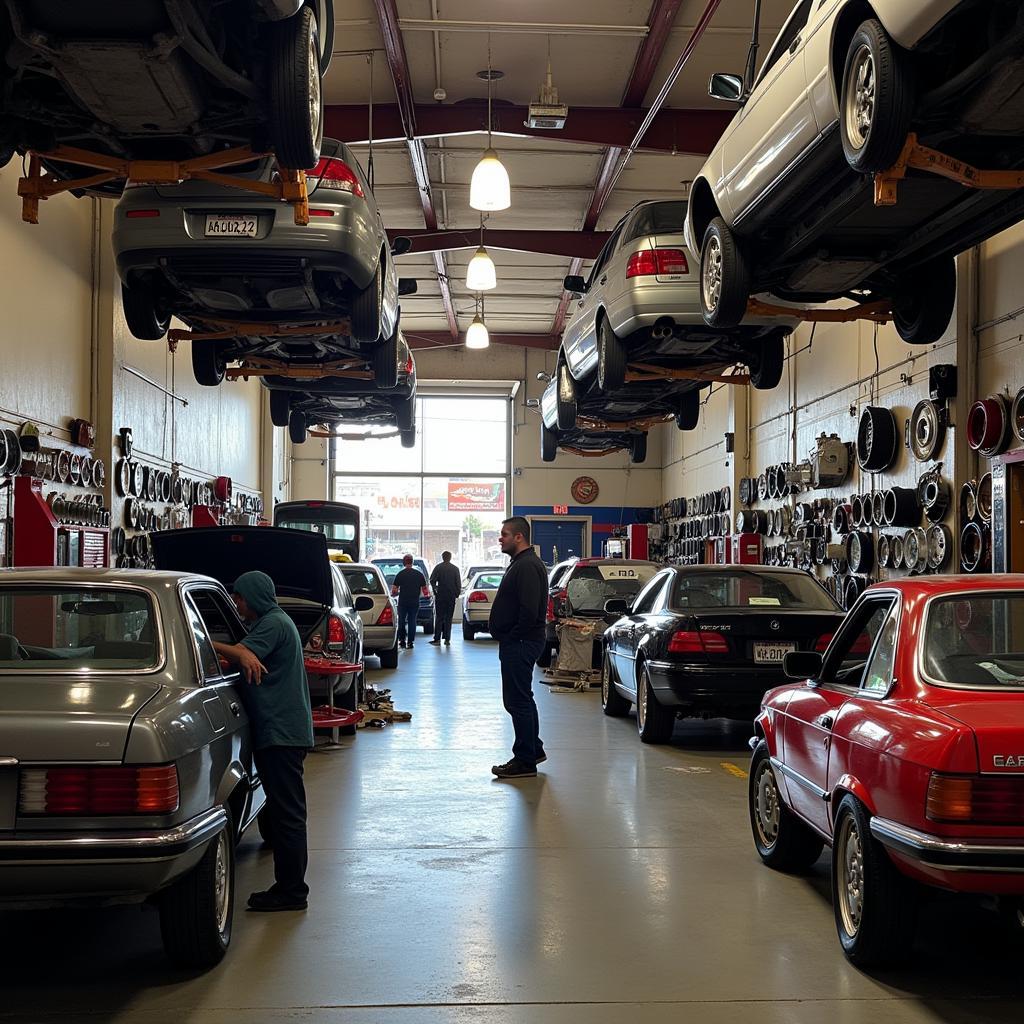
x: 126, y: 767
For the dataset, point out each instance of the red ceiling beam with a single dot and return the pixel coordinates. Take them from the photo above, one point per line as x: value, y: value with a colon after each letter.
x: 581, y: 244
x: 671, y: 131
x: 660, y: 20
x: 425, y: 340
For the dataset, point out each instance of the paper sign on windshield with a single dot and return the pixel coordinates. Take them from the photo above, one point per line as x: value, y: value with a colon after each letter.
x: 763, y: 602
x: 623, y: 572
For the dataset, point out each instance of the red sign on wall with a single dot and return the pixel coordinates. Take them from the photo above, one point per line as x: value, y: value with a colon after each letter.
x: 560, y: 510
x: 476, y: 497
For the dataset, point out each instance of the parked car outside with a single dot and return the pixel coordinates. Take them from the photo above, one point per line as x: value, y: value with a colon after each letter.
x: 785, y: 202
x: 391, y: 567
x: 301, y: 404
x: 83, y: 74
x: 204, y: 250
x: 708, y: 641
x: 127, y: 763
x: 476, y: 603
x: 900, y: 748
x: 380, y: 623
x: 576, y: 440
x: 474, y: 569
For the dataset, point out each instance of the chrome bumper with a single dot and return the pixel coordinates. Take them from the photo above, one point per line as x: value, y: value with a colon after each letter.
x: 948, y: 854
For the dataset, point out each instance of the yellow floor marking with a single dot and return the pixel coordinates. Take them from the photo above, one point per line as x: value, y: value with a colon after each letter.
x: 733, y: 769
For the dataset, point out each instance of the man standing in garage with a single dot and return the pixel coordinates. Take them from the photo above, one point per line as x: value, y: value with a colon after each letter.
x: 447, y: 583
x: 408, y: 584
x: 517, y: 622
x: 277, y: 702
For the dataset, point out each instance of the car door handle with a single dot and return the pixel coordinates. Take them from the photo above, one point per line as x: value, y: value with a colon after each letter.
x: 795, y: 45
x: 827, y: 721
x: 236, y: 708
x: 604, y: 278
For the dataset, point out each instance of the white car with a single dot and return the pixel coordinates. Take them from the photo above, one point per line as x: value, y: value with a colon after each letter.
x: 473, y: 570
x: 476, y: 602
x: 786, y: 200
x: 380, y: 623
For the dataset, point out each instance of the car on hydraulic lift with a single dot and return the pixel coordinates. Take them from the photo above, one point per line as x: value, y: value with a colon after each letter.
x: 206, y: 252
x: 164, y: 79
x: 786, y: 202
x: 299, y: 404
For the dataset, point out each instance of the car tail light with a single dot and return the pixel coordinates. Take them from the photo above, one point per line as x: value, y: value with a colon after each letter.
x: 652, y: 262
x: 139, y: 214
x: 980, y: 799
x: 336, y: 174
x: 88, y: 791
x: 386, y: 617
x: 316, y: 212
x: 823, y: 641
x: 408, y: 365
x: 479, y: 595
x: 696, y: 642
x: 335, y: 631
x: 424, y: 591
x: 551, y: 610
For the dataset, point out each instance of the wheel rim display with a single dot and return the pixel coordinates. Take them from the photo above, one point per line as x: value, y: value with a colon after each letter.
x: 988, y: 426
x: 859, y: 96
x: 767, y: 810
x: 984, y: 498
x: 850, y: 884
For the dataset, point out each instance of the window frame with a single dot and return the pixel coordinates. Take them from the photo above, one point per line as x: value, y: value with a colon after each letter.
x: 852, y: 626
x: 785, y: 38
x: 221, y: 598
x: 656, y: 586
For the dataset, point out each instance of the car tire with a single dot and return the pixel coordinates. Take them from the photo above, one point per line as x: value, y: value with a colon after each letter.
x: 384, y: 362
x: 638, y: 449
x: 767, y: 361
x: 565, y: 398
x: 367, y: 307
x: 196, y: 911
x: 687, y: 412
x: 140, y: 312
x: 408, y: 437
x: 548, y: 444
x: 724, y: 277
x: 611, y: 358
x: 280, y: 407
x: 208, y: 364
x: 781, y: 839
x: 349, y: 701
x: 297, y: 432
x: 876, y: 75
x: 613, y: 704
x: 389, y: 658
x: 654, y: 721
x: 546, y: 656
x: 405, y: 413
x: 921, y: 313
x: 873, y: 903
x: 468, y: 632
x: 296, y: 96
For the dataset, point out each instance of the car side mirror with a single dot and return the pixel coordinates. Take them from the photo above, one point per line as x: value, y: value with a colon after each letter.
x: 575, y: 283
x: 616, y: 606
x: 802, y: 664
x: 407, y: 286
x: 364, y: 603
x: 726, y: 87
x: 545, y: 377
x: 400, y: 245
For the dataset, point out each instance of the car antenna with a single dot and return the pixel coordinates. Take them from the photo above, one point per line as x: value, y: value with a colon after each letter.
x: 748, y: 74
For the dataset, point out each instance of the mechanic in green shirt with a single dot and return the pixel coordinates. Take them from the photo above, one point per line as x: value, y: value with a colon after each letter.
x: 277, y: 701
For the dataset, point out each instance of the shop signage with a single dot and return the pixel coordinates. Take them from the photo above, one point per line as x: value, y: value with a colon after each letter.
x: 560, y: 510
x: 584, y: 489
x: 476, y: 497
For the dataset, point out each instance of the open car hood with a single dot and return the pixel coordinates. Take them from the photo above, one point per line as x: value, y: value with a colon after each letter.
x: 295, y: 560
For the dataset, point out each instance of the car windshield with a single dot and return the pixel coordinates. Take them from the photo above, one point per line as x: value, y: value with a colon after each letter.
x: 659, y: 219
x: 363, y: 581
x: 46, y: 629
x: 392, y: 567
x: 474, y: 569
x: 331, y: 530
x: 976, y: 640
x: 753, y: 590
x: 487, y: 581
x: 592, y: 585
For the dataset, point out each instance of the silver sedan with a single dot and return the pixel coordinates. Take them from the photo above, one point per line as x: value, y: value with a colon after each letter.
x: 476, y: 602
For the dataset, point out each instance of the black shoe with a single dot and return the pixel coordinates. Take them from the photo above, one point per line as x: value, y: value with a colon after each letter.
x: 401, y: 645
x: 434, y: 643
x: 411, y: 646
x: 543, y: 757
x: 270, y: 901
x: 514, y: 770
x: 447, y: 643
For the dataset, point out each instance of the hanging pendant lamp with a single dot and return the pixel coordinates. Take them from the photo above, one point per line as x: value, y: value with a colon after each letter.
x: 489, y: 188
x: 480, y: 274
x: 477, y: 335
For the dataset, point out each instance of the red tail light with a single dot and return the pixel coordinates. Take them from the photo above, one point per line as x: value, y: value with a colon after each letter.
x: 479, y: 595
x: 988, y: 800
x: 425, y: 592
x: 823, y: 641
x: 335, y: 631
x: 386, y: 617
x: 135, y: 214
x: 336, y: 174
x: 652, y: 262
x: 551, y: 610
x: 696, y: 642
x: 408, y: 365
x: 88, y: 791
x: 314, y: 212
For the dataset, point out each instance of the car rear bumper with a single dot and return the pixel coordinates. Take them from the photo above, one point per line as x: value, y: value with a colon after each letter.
x: 478, y: 616
x: 949, y: 855
x: 711, y: 688
x: 380, y: 638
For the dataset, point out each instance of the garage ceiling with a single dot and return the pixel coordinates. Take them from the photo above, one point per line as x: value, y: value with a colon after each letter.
x: 604, y: 54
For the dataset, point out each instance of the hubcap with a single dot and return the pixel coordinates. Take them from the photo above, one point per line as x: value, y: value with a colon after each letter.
x: 315, y: 106
x: 641, y: 702
x: 606, y: 681
x: 851, y: 879
x: 564, y: 386
x: 860, y: 97
x: 766, y: 809
x: 222, y: 882
x: 712, y: 277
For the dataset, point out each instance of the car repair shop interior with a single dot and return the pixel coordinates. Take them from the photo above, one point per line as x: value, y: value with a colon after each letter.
x: 724, y: 298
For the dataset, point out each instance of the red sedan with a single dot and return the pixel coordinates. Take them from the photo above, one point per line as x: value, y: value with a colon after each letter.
x: 902, y: 747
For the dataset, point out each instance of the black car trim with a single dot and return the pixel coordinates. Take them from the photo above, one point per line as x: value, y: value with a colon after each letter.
x: 791, y: 773
x: 951, y: 854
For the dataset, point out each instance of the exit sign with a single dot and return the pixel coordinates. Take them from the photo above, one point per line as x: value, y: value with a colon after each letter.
x: 560, y: 510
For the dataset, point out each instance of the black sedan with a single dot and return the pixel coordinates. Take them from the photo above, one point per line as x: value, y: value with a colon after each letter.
x: 708, y: 641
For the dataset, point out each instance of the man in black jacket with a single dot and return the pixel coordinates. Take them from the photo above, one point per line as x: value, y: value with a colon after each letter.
x: 447, y: 583
x: 517, y: 622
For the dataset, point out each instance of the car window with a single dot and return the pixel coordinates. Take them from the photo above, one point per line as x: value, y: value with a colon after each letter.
x: 647, y: 597
x: 761, y: 589
x: 487, y: 581
x: 220, y: 621
x: 589, y: 586
x: 604, y: 256
x: 560, y: 573
x: 342, y: 595
x: 656, y: 219
x: 209, y: 662
x: 849, y: 653
x: 878, y: 674
x: 792, y: 28
x: 975, y: 640
x: 363, y: 581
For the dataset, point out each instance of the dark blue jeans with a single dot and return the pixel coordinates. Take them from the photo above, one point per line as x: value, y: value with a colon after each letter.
x: 517, y: 658
x: 407, y: 621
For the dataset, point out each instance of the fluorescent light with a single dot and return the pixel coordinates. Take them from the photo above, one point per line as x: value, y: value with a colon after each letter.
x: 480, y: 274
x: 476, y: 335
x: 489, y: 187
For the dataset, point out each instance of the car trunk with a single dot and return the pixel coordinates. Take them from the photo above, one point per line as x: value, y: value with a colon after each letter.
x: 309, y: 619
x: 761, y: 637
x: 997, y: 721
x: 75, y: 719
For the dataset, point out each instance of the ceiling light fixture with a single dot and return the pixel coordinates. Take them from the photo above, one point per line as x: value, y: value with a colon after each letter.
x: 489, y: 188
x: 480, y: 274
x: 477, y: 335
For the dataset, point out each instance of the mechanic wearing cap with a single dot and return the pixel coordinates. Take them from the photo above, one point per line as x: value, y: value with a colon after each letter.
x: 270, y: 657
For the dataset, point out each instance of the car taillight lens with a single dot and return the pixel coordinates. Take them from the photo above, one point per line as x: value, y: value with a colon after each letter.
x: 88, y: 791
x: 335, y: 174
x: 988, y: 800
x: 696, y: 642
x: 408, y: 365
x: 823, y: 641
x: 386, y: 617
x: 141, y: 214
x: 425, y: 592
x: 551, y: 610
x: 335, y: 631
x: 652, y: 262
x: 479, y: 595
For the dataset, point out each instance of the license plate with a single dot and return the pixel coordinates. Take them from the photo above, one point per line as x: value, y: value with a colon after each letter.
x: 771, y: 654
x: 223, y: 225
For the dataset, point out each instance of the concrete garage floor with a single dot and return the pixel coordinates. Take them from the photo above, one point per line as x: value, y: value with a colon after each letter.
x: 620, y: 885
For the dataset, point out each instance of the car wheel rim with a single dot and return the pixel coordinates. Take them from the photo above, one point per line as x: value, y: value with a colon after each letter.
x: 606, y: 683
x: 851, y: 877
x: 767, y: 811
x: 564, y: 388
x: 222, y: 882
x: 712, y: 283
x: 860, y: 97
x: 641, y: 702
x: 314, y: 87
